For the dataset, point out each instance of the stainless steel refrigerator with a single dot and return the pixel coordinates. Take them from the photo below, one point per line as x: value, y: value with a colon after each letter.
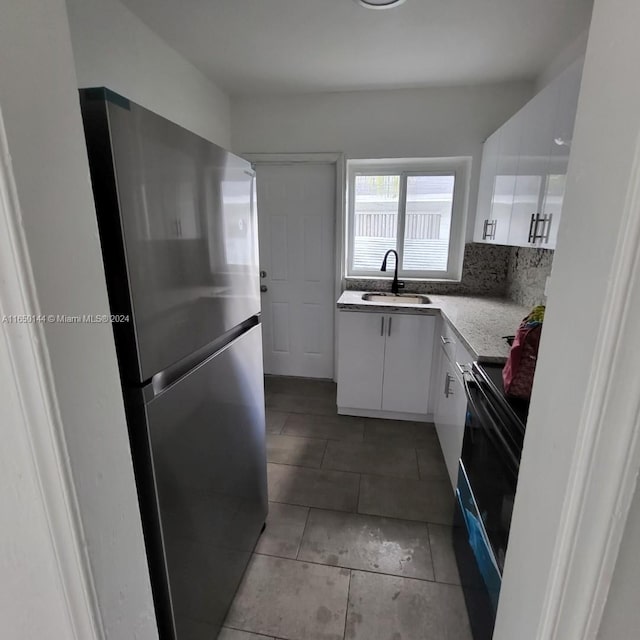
x: 178, y: 229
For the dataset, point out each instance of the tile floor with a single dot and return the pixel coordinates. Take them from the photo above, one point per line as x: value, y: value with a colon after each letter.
x: 358, y: 543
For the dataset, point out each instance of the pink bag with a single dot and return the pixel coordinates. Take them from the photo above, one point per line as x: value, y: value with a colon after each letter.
x: 518, y: 372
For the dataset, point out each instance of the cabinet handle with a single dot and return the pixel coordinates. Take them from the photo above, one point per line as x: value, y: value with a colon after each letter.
x: 390, y: 319
x: 532, y: 228
x: 447, y: 386
x: 547, y: 227
x: 446, y: 340
x: 489, y: 231
x: 545, y: 221
x: 382, y: 326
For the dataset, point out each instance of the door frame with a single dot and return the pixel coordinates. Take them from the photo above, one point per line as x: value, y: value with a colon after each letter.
x: 568, y: 597
x: 38, y: 415
x: 332, y: 158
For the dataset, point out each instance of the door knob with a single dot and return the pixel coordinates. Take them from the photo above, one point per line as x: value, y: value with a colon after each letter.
x: 263, y: 288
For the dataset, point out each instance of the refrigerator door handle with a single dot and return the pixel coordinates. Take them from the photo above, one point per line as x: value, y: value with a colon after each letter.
x: 165, y: 379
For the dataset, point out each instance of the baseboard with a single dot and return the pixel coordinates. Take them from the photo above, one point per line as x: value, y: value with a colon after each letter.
x: 387, y: 415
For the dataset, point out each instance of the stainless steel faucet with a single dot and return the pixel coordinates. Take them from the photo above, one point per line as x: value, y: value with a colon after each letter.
x: 395, y: 285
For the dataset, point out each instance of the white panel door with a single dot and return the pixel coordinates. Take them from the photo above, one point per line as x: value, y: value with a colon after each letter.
x: 361, y: 338
x: 407, y: 363
x: 296, y: 216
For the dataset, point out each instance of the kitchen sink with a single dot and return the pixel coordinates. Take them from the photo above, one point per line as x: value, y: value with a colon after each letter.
x: 389, y: 298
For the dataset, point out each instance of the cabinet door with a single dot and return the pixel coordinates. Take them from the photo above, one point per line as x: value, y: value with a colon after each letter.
x: 569, y: 90
x: 535, y: 147
x: 407, y: 363
x: 485, y: 190
x: 361, y: 340
x: 440, y: 400
x: 451, y: 432
x: 505, y: 179
x: 450, y: 417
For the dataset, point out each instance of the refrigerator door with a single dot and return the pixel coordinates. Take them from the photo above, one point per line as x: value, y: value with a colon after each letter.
x: 180, y: 214
x: 206, y: 436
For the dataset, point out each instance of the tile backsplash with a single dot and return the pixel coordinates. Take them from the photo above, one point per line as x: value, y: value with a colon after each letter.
x: 484, y: 273
x: 527, y: 273
x: 518, y: 273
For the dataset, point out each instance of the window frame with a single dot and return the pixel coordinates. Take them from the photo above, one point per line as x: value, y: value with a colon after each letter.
x: 459, y: 167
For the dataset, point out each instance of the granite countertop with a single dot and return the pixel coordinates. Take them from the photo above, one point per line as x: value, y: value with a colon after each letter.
x: 479, y: 322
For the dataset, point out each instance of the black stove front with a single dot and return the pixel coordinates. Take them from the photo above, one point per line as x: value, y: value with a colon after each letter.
x: 487, y: 479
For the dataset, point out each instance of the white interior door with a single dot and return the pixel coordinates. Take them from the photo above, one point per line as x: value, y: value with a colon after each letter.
x: 296, y: 217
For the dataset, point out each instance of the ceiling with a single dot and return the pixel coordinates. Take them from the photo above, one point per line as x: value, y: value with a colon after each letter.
x: 284, y: 46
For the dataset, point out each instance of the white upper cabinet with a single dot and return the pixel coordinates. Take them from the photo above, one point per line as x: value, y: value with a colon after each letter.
x: 504, y: 186
x: 483, y: 230
x: 522, y: 190
x: 553, y: 199
x: 535, y: 147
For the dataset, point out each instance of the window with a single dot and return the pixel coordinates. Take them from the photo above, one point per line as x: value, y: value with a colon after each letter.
x: 416, y: 207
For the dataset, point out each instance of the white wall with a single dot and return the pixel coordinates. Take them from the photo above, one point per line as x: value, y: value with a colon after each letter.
x: 404, y: 123
x: 602, y: 159
x: 621, y: 618
x: 38, y: 98
x: 114, y: 48
x: 32, y: 602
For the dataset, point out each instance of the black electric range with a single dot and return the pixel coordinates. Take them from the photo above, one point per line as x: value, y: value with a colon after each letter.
x: 487, y: 480
x: 517, y: 409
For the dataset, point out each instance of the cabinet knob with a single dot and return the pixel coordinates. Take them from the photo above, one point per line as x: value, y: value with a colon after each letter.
x: 264, y: 288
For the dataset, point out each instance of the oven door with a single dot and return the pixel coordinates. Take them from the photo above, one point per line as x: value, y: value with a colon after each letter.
x: 487, y: 478
x: 491, y: 461
x: 479, y: 573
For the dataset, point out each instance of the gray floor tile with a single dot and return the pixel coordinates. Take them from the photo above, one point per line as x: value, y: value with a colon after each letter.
x: 367, y: 542
x: 387, y: 607
x: 426, y: 500
x: 285, y: 526
x: 363, y: 457
x: 313, y: 487
x: 333, y: 427
x: 275, y: 420
x: 304, y: 452
x: 234, y: 634
x: 431, y: 462
x: 292, y: 403
x: 292, y: 600
x: 443, y: 554
x: 399, y: 432
x: 318, y: 388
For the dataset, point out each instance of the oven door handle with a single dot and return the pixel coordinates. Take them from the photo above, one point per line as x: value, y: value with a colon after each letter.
x: 492, y: 433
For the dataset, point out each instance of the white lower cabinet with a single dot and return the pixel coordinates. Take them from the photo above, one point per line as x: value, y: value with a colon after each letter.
x: 451, y: 408
x: 384, y: 363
